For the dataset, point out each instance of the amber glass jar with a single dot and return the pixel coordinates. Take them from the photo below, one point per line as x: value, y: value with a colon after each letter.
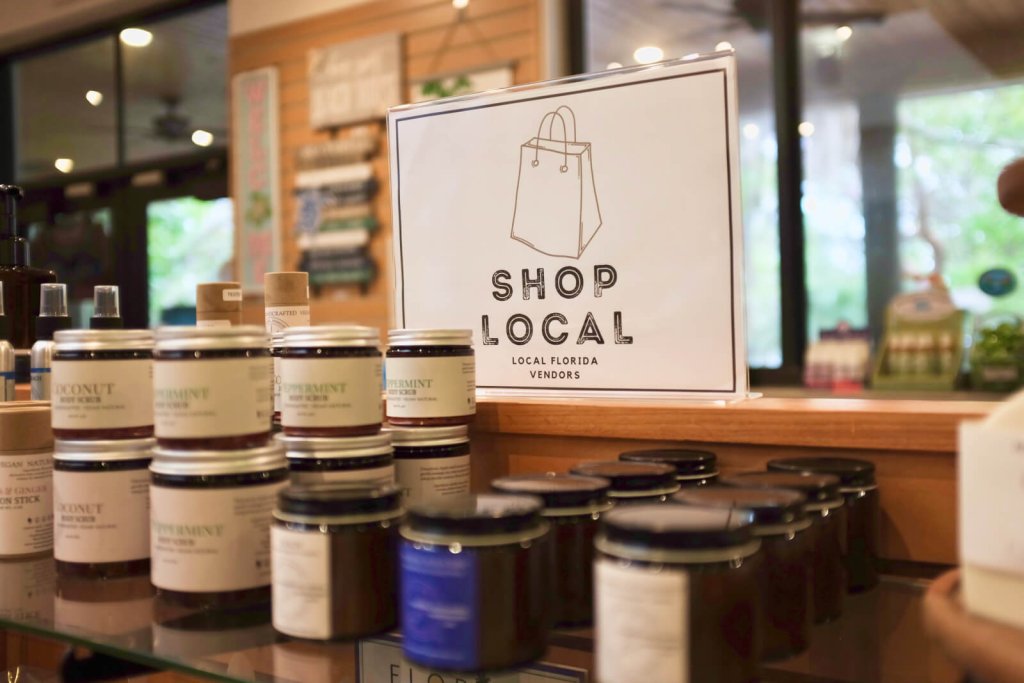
x: 694, y: 467
x: 780, y: 523
x: 676, y: 588
x: 431, y: 463
x: 101, y: 384
x: 210, y: 514
x: 351, y: 460
x: 352, y: 532
x: 330, y: 381
x: 101, y: 507
x: 827, y: 511
x: 859, y: 489
x: 473, y: 585
x: 212, y: 387
x: 431, y: 378
x: 573, y: 506
x: 633, y: 482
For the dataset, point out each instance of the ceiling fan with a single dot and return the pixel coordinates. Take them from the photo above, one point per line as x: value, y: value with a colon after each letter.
x: 755, y: 14
x: 174, y: 126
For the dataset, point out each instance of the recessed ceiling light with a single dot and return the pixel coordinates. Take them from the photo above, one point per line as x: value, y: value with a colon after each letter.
x: 136, y: 37
x: 94, y: 97
x: 751, y: 131
x: 806, y: 129
x: 203, y: 138
x: 843, y: 33
x: 460, y: 4
x: 64, y: 165
x: 723, y: 46
x: 648, y: 54
x: 613, y: 65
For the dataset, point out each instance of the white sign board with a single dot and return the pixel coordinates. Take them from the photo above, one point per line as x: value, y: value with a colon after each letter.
x: 588, y: 231
x: 380, y: 660
x: 354, y: 81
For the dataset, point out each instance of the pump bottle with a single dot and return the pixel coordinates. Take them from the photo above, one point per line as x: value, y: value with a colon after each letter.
x: 6, y: 353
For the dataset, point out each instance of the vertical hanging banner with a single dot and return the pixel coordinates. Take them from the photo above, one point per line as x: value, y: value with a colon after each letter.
x: 587, y: 230
x: 256, y: 173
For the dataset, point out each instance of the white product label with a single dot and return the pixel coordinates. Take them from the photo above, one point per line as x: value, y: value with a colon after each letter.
x: 641, y: 624
x: 302, y: 583
x: 431, y: 387
x: 277, y: 385
x: 330, y: 392
x: 106, y: 394
x: 208, y: 540
x: 991, y: 469
x: 40, y: 379
x: 26, y: 503
x: 101, y: 516
x: 232, y: 295
x: 425, y: 480
x: 280, y: 318
x: 213, y: 323
x: 27, y: 588
x: 374, y: 476
x: 215, y: 397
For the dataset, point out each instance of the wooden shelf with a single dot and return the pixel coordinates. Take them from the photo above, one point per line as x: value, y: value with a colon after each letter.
x: 876, y: 424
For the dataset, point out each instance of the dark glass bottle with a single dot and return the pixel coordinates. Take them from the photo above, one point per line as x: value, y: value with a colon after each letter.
x: 21, y: 281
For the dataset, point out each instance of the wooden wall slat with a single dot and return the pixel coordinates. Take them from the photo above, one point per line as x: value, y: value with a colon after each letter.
x: 488, y: 32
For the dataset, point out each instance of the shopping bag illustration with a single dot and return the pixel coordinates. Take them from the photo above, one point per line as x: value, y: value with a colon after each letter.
x: 556, y: 210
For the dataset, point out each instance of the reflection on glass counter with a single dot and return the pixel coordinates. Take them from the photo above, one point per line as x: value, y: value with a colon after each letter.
x: 870, y: 644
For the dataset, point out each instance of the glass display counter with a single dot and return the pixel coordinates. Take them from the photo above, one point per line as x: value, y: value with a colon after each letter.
x: 879, y: 639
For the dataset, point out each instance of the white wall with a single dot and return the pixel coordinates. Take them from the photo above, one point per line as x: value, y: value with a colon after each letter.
x: 246, y: 16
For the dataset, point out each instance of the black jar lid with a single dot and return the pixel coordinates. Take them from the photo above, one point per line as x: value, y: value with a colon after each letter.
x: 852, y: 473
x: 768, y: 506
x: 484, y: 513
x: 818, y: 488
x: 629, y: 476
x: 677, y: 527
x: 687, y: 461
x: 557, y: 490
x: 335, y: 500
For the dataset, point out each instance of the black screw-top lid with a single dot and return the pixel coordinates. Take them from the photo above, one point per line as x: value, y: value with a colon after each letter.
x: 687, y: 461
x: 480, y: 514
x: 818, y: 488
x: 851, y: 472
x: 13, y: 247
x: 556, y: 490
x: 768, y: 506
x: 46, y: 325
x: 677, y: 527
x: 332, y: 500
x: 629, y: 476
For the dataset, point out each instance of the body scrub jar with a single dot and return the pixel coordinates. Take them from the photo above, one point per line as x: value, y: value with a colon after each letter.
x: 431, y: 463
x: 693, y: 467
x: 573, y: 506
x: 212, y: 387
x: 101, y: 384
x: 353, y: 460
x: 633, y: 482
x: 825, y: 508
x: 860, y: 491
x: 676, y: 592
x: 335, y: 561
x: 473, y: 583
x: 431, y: 378
x: 330, y: 381
x: 781, y: 525
x: 210, y: 520
x: 101, y: 507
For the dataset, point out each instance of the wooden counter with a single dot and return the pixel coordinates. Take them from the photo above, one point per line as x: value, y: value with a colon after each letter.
x: 911, y: 442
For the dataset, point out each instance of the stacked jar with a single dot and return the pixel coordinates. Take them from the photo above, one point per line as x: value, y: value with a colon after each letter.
x: 431, y: 400
x: 102, y: 419
x: 216, y: 472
